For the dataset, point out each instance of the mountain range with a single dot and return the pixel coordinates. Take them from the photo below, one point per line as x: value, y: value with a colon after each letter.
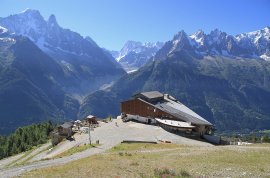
x: 86, y: 66
x: 51, y: 73
x: 249, y: 45
x: 135, y: 54
x: 255, y: 44
x: 46, y: 70
x: 30, y: 85
x: 219, y: 76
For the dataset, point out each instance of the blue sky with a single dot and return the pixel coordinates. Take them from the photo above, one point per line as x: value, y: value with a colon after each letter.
x: 112, y: 22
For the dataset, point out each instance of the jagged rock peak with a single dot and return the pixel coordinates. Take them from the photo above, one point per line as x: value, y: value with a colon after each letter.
x: 181, y: 34
x: 198, y: 36
x: 52, y: 20
x: 217, y: 33
x: 131, y: 43
x: 30, y: 13
x: 199, y: 33
x: 266, y: 29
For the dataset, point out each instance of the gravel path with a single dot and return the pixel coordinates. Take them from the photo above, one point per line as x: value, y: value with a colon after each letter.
x: 32, y: 154
x: 20, y: 158
x: 7, y: 161
x: 109, y: 135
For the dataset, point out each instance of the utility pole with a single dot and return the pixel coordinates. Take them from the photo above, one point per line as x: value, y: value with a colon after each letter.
x: 89, y: 133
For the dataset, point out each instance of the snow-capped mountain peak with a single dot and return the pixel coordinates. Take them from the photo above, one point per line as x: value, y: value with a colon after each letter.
x: 251, y: 45
x: 48, y: 35
x: 134, y: 54
x: 33, y: 17
x: 257, y: 41
x: 29, y: 23
x: 181, y: 41
x: 255, y: 35
x: 29, y: 12
x: 266, y: 29
x: 198, y: 37
x: 138, y: 47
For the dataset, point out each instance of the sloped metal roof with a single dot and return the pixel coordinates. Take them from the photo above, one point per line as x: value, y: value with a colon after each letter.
x: 66, y: 125
x: 180, y: 111
x: 151, y: 94
x: 90, y: 117
x: 172, y: 106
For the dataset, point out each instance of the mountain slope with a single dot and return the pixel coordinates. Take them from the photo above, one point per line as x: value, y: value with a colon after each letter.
x: 30, y: 85
x: 86, y: 66
x: 231, y: 92
x: 45, y: 70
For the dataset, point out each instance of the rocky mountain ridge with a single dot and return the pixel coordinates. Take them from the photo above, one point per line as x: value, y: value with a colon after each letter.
x: 215, y: 76
x: 247, y: 45
x: 87, y: 67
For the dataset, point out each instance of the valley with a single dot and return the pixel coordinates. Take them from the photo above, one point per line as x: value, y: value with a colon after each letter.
x: 162, y: 89
x: 225, y: 78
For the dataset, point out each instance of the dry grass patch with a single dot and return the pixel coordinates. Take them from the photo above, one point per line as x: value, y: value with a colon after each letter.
x: 143, y: 146
x: 167, y: 160
x: 76, y: 149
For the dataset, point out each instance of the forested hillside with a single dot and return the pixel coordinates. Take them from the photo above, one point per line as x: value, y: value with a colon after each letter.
x: 24, y: 138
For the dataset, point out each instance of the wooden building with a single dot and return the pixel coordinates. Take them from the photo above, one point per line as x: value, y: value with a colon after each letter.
x: 61, y: 132
x: 92, y: 119
x: 163, y: 106
x: 65, y: 129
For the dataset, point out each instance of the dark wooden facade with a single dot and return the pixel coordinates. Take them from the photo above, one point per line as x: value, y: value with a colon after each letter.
x: 67, y: 132
x: 138, y: 107
x: 92, y: 120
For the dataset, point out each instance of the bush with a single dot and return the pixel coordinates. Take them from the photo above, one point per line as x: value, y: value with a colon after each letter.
x: 134, y: 164
x: 266, y: 139
x: 166, y: 172
x: 184, y: 173
x: 128, y: 154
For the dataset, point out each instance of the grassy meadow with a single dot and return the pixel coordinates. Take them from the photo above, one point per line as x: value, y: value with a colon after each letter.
x: 167, y: 160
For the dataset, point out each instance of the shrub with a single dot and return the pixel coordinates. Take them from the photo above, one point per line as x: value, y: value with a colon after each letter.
x: 184, y: 173
x: 128, y: 154
x: 134, y: 164
x: 166, y: 172
x: 163, y: 172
